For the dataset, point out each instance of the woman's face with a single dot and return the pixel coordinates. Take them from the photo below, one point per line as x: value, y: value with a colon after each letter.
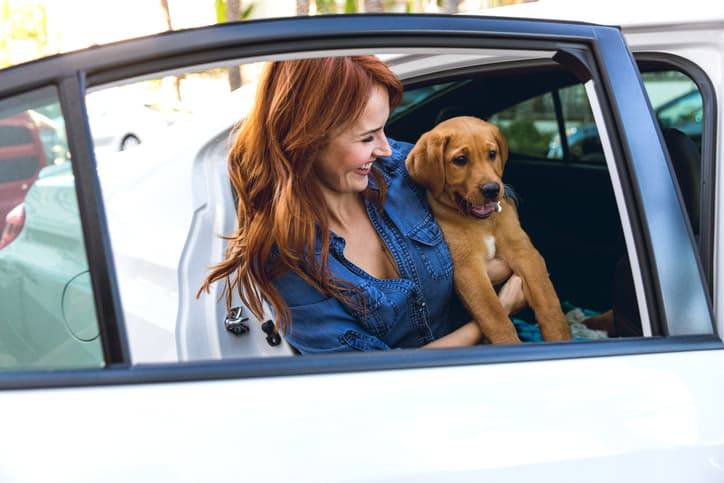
x: 345, y: 163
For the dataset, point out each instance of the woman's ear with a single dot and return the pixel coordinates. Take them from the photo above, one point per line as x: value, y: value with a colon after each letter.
x: 426, y: 162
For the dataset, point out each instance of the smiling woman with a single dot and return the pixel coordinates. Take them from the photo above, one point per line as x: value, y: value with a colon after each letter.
x: 312, y: 205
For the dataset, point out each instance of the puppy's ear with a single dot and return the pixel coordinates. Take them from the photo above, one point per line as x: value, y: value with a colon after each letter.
x: 502, y: 143
x: 426, y: 162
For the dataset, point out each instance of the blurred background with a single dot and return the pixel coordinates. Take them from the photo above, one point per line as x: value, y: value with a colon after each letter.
x: 31, y: 29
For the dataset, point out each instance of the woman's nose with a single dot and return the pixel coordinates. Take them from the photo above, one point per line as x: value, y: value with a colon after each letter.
x: 384, y: 149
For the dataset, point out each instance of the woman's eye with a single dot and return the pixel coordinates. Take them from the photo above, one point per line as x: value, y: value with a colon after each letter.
x: 460, y: 160
x: 491, y: 154
x: 367, y: 139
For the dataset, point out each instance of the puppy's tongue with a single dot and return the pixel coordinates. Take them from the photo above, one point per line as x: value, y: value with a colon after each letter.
x: 485, y: 210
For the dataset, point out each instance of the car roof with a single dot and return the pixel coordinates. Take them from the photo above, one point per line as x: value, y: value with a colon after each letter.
x: 626, y: 14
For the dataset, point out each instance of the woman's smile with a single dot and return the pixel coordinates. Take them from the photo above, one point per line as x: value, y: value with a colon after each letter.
x: 365, y: 169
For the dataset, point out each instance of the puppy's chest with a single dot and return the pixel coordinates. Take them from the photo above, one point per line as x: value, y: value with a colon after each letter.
x: 489, y: 244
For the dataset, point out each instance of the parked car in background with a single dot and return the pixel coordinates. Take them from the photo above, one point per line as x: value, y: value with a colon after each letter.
x: 119, y: 124
x: 684, y: 112
x: 99, y: 314
x: 29, y: 141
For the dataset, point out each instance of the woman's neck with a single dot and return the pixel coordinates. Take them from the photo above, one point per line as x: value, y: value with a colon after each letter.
x: 344, y: 210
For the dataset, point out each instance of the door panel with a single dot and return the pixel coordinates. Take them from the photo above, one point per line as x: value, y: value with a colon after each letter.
x: 628, y: 419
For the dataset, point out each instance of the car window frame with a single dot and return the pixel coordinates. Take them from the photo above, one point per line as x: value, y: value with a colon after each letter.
x: 598, y: 46
x: 707, y: 200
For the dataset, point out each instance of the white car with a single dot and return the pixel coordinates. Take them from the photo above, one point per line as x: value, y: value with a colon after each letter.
x: 176, y: 395
x: 119, y: 124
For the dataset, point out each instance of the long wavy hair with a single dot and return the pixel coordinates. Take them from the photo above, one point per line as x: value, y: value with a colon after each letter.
x: 300, y: 106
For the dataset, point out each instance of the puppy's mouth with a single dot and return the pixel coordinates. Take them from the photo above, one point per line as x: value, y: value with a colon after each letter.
x: 480, y: 211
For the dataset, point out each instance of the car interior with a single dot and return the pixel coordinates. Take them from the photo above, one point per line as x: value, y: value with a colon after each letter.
x: 565, y: 197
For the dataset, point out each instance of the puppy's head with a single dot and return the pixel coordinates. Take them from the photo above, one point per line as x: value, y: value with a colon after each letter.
x: 461, y: 162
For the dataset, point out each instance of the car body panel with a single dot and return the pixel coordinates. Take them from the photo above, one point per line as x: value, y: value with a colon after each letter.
x: 633, y: 418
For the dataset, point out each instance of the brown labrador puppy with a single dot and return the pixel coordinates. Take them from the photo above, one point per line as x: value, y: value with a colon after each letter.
x: 461, y: 163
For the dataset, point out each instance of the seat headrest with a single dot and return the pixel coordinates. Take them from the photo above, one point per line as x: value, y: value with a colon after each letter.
x: 687, y: 165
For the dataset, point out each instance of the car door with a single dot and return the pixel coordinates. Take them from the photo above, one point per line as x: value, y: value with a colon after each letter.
x: 625, y: 409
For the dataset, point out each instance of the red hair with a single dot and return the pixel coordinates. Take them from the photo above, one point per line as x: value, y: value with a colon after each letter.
x: 300, y: 106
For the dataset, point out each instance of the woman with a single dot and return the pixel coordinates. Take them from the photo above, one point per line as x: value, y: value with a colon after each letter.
x: 331, y: 231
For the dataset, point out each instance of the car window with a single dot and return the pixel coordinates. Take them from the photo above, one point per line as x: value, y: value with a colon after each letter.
x: 174, y: 189
x: 677, y: 102
x: 412, y: 98
x: 679, y: 109
x: 531, y: 127
x: 48, y: 316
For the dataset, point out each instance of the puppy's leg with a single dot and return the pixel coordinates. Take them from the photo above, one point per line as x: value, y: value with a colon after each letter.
x: 527, y: 262
x: 477, y: 294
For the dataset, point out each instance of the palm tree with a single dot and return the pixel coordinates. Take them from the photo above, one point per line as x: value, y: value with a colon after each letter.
x: 233, y: 13
x: 169, y: 25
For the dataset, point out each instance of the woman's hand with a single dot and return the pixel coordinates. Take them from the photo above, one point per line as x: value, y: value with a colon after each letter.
x: 498, y: 271
x: 511, y: 295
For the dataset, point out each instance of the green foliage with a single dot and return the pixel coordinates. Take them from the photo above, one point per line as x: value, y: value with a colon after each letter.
x: 220, y: 7
x: 326, y: 6
x: 523, y: 137
x: 246, y: 13
x: 26, y: 22
x: 350, y: 6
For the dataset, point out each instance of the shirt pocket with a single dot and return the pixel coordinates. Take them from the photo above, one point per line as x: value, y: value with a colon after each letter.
x: 384, y: 306
x: 429, y: 243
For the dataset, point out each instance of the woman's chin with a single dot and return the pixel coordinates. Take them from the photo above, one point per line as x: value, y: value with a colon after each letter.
x: 358, y: 183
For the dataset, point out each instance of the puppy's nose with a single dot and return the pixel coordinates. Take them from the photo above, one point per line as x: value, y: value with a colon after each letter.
x: 490, y: 190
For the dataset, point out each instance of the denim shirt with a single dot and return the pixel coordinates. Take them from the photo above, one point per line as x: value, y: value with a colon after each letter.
x: 409, y: 311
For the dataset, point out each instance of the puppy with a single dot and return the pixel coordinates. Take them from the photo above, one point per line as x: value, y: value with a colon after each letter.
x: 461, y: 162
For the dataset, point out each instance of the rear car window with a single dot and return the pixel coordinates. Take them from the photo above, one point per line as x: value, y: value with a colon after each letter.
x: 47, y: 312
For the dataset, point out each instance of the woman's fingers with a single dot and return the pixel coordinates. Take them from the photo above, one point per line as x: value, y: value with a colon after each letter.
x: 511, y: 295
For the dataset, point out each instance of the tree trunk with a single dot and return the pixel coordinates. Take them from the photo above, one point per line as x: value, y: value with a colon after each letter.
x: 169, y: 25
x: 302, y: 7
x: 166, y: 14
x: 233, y: 14
x: 374, y: 6
x: 450, y: 6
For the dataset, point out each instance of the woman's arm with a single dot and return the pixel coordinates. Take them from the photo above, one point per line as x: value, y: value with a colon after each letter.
x: 511, y: 297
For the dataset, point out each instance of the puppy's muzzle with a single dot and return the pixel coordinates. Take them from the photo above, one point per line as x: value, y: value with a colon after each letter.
x: 490, y: 191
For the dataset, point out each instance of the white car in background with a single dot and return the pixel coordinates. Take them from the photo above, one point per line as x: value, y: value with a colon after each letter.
x: 119, y: 124
x: 213, y: 407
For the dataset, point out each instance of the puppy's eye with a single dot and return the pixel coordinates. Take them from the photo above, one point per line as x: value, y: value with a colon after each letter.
x: 460, y: 160
x: 491, y: 154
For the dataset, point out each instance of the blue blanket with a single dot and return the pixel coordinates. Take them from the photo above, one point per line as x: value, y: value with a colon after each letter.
x: 530, y: 332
